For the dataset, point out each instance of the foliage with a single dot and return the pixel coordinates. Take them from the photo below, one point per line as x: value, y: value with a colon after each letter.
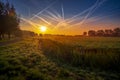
x: 9, y: 21
x: 108, y: 32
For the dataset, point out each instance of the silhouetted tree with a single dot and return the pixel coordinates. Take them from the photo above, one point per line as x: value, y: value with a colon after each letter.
x: 117, y: 32
x: 100, y: 33
x: 2, y: 18
x: 84, y: 33
x: 108, y: 32
x: 8, y: 19
x: 91, y: 33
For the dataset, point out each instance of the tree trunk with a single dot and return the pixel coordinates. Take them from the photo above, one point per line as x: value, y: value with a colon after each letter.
x: 9, y: 36
x: 0, y: 37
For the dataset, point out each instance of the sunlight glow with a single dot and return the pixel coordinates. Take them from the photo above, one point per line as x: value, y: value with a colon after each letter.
x: 56, y: 21
x: 43, y: 28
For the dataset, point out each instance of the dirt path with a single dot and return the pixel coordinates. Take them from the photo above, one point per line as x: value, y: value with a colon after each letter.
x: 9, y: 42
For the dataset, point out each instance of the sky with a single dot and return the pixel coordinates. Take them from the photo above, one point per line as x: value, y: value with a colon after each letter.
x: 71, y: 17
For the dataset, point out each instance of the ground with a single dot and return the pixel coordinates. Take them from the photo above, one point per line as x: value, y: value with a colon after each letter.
x: 25, y: 59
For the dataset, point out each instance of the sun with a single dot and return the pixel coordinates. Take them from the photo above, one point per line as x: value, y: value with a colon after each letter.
x: 43, y: 28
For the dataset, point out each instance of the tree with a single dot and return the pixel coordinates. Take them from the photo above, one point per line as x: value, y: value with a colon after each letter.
x: 108, y: 32
x: 2, y: 16
x: 8, y: 19
x: 100, y: 33
x: 92, y: 33
x: 13, y: 23
x: 84, y: 33
x: 117, y: 32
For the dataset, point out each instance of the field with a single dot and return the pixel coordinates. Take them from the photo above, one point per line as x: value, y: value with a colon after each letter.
x: 61, y: 58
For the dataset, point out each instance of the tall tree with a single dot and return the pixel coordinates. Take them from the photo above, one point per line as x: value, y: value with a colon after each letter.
x: 2, y: 19
x: 8, y: 19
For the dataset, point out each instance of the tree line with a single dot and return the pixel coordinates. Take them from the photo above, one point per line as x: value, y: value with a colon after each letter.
x: 9, y: 20
x: 106, y: 33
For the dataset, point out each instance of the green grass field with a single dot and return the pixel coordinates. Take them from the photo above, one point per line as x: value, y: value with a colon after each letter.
x: 61, y: 58
x: 90, y: 42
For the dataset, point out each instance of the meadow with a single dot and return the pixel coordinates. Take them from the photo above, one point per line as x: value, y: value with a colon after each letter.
x: 24, y: 60
x: 91, y: 53
x: 61, y: 58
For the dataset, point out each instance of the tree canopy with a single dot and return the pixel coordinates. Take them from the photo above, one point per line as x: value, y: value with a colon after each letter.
x: 106, y: 33
x: 9, y: 20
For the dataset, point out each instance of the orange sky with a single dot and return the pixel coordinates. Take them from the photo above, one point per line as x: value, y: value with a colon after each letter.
x: 74, y: 30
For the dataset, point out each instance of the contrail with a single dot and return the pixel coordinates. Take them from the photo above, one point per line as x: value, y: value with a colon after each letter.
x: 43, y: 10
x: 31, y: 23
x: 49, y: 17
x: 75, y: 20
x: 93, y: 19
x: 85, y: 11
x: 96, y: 5
x: 51, y: 14
x: 42, y: 19
x: 62, y: 11
x: 69, y: 20
x: 61, y: 19
x: 49, y: 24
x: 90, y: 11
x: 59, y: 15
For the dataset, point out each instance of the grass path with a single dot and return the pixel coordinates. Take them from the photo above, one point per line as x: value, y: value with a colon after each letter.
x: 24, y: 61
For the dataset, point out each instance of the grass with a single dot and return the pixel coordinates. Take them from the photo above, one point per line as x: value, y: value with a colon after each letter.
x: 88, y: 42
x: 5, y: 40
x: 85, y: 57
x: 93, y: 57
x: 24, y: 61
x: 58, y: 59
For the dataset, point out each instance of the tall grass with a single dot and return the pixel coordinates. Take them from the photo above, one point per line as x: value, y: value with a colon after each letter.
x: 85, y: 57
x: 24, y: 61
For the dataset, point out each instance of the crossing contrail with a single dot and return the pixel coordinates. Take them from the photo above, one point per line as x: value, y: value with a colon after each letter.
x: 44, y: 10
x: 90, y: 11
x: 84, y: 12
x: 29, y: 22
x: 51, y: 17
x: 69, y: 20
x: 42, y: 19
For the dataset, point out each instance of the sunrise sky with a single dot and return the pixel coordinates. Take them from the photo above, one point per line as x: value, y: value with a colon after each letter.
x: 70, y: 17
